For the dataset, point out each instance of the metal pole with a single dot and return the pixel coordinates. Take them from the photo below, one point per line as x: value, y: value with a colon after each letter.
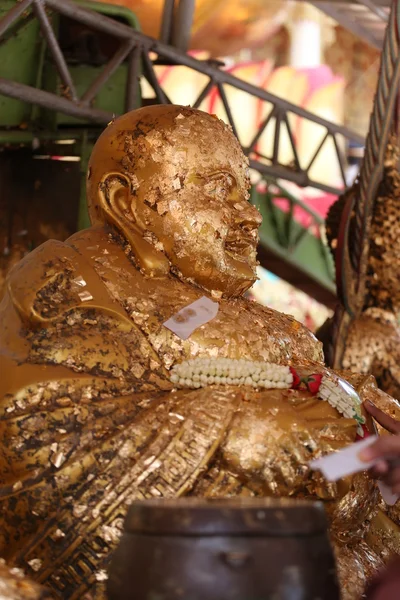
x: 13, y: 15
x: 132, y: 99
x: 48, y: 32
x: 183, y: 24
x: 20, y: 91
x: 108, y: 70
x: 86, y: 150
x: 167, y: 21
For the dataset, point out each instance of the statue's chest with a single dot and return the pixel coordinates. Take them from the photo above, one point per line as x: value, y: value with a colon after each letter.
x: 240, y: 329
x: 236, y: 331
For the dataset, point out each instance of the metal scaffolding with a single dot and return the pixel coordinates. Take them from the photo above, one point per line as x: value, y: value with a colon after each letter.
x: 138, y: 48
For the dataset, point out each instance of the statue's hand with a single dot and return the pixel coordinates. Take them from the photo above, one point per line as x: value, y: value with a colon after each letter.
x: 276, y: 433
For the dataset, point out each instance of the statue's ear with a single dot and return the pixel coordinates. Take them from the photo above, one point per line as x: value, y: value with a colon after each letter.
x: 115, y: 194
x: 116, y: 202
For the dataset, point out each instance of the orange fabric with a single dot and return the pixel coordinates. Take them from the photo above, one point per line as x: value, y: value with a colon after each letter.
x: 222, y: 27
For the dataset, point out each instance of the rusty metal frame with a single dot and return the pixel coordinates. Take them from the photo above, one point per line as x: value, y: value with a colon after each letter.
x: 137, y: 48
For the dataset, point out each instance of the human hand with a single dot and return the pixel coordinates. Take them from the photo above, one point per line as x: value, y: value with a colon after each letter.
x: 386, y: 450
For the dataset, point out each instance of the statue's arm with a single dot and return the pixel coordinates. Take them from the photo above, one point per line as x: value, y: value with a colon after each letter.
x: 90, y: 458
x: 58, y: 312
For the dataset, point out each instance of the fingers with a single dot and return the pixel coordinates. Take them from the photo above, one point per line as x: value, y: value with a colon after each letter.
x: 380, y: 469
x: 386, y: 447
x: 382, y: 418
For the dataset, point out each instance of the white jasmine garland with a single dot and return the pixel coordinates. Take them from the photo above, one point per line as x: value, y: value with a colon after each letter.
x: 202, y: 372
x: 343, y: 397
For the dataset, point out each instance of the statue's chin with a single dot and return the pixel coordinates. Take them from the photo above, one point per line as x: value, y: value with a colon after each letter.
x: 232, y: 285
x: 227, y: 277
x: 241, y: 275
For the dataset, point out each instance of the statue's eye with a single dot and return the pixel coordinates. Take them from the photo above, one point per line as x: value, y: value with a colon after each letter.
x: 222, y: 181
x: 218, y: 185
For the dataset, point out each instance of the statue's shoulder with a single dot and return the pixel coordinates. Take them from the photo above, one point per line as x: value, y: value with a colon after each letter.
x: 301, y: 342
x: 266, y: 313
x: 52, y: 280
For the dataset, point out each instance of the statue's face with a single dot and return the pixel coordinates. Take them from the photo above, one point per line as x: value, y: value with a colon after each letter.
x: 195, y: 204
x: 189, y: 197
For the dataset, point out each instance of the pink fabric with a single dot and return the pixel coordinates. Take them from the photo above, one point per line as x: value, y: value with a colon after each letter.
x: 318, y: 77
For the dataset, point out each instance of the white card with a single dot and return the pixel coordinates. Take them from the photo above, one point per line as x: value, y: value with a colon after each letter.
x: 387, y: 494
x: 345, y: 462
x: 189, y: 318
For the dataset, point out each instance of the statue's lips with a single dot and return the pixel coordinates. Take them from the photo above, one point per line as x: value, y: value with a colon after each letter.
x: 242, y: 248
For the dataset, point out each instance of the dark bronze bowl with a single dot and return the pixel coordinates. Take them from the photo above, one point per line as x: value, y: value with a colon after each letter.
x: 229, y: 549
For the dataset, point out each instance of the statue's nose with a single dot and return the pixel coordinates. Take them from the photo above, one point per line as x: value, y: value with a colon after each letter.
x: 250, y: 216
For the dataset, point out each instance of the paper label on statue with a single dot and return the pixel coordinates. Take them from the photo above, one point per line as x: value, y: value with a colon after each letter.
x: 191, y: 317
x: 346, y: 462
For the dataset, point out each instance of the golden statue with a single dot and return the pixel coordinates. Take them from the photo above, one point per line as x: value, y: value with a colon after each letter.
x: 91, y: 417
x: 370, y: 342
